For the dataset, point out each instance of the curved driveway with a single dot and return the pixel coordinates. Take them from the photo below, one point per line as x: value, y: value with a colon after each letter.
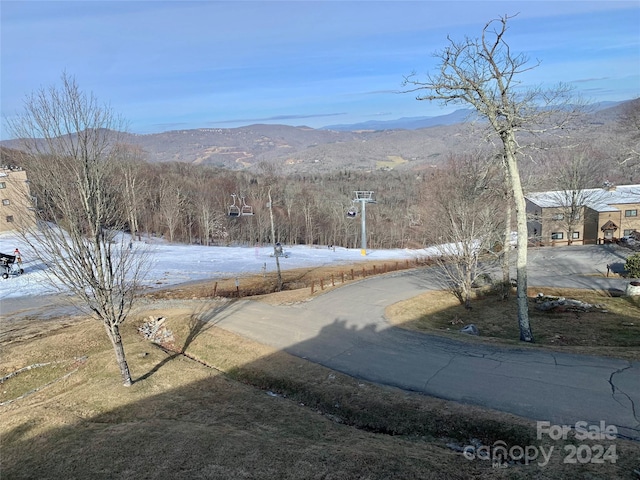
x: 345, y: 329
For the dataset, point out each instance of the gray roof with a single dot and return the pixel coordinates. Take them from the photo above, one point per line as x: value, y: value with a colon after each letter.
x: 599, y: 199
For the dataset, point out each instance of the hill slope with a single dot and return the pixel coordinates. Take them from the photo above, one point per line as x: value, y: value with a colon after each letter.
x: 365, y: 146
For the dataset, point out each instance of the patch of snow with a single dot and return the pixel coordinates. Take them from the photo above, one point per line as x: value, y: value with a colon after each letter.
x: 173, y: 264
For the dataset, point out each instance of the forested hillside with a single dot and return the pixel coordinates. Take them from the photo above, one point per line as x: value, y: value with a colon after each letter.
x: 303, y: 150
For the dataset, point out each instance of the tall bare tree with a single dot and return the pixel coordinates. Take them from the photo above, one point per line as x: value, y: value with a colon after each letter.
x: 484, y: 74
x: 573, y: 175
x: 72, y: 160
x: 276, y: 252
x: 134, y: 187
x: 505, y: 252
x: 172, y: 203
x: 209, y: 216
x: 464, y: 224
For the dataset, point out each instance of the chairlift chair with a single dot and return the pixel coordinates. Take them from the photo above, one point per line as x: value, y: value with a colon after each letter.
x: 352, y: 212
x: 246, y: 209
x: 234, y: 210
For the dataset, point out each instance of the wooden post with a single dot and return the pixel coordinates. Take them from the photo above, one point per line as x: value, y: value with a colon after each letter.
x: 353, y: 277
x: 374, y: 269
x: 364, y: 273
x: 342, y: 277
x: 321, y: 284
x: 312, y: 285
x: 215, y: 289
x: 333, y: 281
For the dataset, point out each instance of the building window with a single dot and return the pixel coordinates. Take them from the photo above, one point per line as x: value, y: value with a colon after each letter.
x: 9, y: 218
x: 575, y: 235
x: 628, y: 232
x: 631, y: 213
x: 6, y: 202
x: 557, y: 236
x: 3, y: 185
x: 557, y: 216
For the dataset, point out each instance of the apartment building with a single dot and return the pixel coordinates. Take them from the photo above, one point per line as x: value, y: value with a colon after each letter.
x: 15, y: 206
x: 589, y: 216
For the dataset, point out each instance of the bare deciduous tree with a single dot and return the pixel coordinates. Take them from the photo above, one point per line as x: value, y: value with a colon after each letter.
x: 276, y: 252
x: 172, y: 201
x: 572, y: 175
x: 464, y: 223
x: 505, y: 252
x: 133, y: 186
x: 208, y: 215
x: 484, y: 73
x: 72, y: 160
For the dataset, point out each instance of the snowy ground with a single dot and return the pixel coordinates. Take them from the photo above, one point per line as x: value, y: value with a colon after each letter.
x: 175, y: 263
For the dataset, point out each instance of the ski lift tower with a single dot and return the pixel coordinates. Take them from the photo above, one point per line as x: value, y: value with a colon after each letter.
x: 363, y: 197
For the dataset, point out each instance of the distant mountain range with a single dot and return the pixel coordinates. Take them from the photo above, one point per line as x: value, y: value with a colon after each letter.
x: 405, y: 123
x: 415, y: 123
x: 413, y: 143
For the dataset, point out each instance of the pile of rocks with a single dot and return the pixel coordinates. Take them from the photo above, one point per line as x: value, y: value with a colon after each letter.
x: 561, y: 304
x: 156, y: 331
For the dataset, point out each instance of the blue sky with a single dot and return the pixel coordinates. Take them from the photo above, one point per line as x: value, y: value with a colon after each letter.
x: 202, y: 64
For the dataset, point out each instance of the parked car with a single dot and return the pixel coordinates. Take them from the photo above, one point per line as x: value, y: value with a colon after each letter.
x: 631, y: 240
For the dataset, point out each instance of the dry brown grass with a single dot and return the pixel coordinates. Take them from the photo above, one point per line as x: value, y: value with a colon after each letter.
x: 231, y: 408
x: 242, y: 410
x: 615, y: 332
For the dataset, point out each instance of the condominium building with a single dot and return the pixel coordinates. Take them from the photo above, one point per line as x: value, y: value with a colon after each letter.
x: 588, y: 216
x: 15, y: 201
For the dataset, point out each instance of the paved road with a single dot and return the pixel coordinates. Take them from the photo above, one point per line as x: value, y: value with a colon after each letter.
x: 345, y: 329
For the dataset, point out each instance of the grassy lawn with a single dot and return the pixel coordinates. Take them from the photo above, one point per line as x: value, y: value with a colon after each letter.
x: 613, y: 329
x: 215, y: 405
